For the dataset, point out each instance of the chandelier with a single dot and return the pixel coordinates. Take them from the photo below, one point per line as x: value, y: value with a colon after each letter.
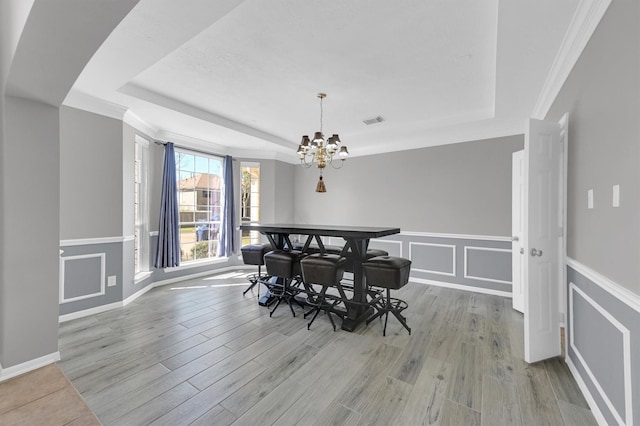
x: 320, y: 153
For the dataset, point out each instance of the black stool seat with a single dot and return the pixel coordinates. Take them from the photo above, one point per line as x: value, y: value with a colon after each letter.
x: 371, y: 253
x: 285, y: 266
x: 322, y: 268
x: 253, y: 254
x: 283, y: 263
x: 388, y: 273
x: 326, y: 270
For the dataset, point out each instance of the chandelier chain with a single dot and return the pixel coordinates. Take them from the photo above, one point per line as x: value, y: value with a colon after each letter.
x: 321, y: 113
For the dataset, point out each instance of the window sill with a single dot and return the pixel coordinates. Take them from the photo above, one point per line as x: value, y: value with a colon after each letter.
x: 197, y: 264
x: 141, y: 276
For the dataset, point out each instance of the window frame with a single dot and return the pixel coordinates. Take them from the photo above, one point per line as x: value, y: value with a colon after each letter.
x: 141, y: 208
x: 197, y: 202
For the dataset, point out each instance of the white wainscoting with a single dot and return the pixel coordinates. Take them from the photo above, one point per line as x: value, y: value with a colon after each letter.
x: 451, y: 247
x: 467, y: 249
x: 103, y: 266
x: 626, y: 350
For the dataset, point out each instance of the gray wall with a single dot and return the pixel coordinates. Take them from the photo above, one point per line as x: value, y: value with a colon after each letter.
x: 276, y: 191
x: 91, y: 175
x: 29, y: 175
x: 39, y: 66
x: 602, y: 96
x: 462, y: 188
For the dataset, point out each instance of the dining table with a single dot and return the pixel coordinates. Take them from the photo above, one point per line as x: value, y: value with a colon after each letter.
x: 356, y: 239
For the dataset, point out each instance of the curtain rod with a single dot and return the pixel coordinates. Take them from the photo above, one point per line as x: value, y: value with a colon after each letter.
x: 188, y: 149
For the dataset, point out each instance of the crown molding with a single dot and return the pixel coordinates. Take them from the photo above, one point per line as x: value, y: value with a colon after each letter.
x: 139, y: 124
x: 267, y: 155
x: 81, y: 100
x: 191, y: 142
x: 582, y: 26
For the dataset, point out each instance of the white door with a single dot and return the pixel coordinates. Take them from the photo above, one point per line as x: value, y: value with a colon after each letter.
x: 517, y: 231
x: 542, y: 237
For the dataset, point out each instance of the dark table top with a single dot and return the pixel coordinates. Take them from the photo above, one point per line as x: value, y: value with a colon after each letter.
x: 356, y: 232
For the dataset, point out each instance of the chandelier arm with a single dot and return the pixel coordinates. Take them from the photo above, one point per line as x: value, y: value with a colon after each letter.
x: 306, y: 163
x: 338, y: 167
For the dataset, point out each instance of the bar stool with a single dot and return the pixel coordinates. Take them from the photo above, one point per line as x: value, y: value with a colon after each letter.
x: 285, y: 265
x: 388, y: 273
x: 326, y: 270
x: 253, y: 254
x: 371, y: 253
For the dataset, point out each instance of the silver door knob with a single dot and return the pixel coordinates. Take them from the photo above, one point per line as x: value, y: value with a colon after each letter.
x: 535, y: 252
x: 515, y: 238
x: 521, y: 250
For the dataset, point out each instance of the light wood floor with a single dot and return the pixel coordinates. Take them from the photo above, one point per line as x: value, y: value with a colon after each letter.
x: 43, y: 397
x: 200, y: 353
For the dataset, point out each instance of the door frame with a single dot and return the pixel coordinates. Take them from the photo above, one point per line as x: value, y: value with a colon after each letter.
x: 563, y: 302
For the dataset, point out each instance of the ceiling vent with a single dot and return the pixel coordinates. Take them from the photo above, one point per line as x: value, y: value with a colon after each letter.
x: 374, y: 120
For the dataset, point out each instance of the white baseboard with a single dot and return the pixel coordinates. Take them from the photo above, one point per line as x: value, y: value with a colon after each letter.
x: 137, y: 294
x: 25, y: 367
x: 462, y: 287
x: 87, y: 312
x: 585, y: 391
x: 197, y: 275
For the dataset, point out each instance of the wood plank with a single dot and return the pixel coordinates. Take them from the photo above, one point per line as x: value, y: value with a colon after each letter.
x: 538, y: 405
x: 574, y: 415
x: 411, y: 360
x: 155, y: 407
x: 216, y: 371
x: 119, y: 405
x: 387, y: 404
x: 274, y: 404
x: 57, y: 408
x: 444, y: 341
x: 466, y: 382
x: 31, y: 386
x: 454, y: 414
x: 564, y: 387
x: 424, y: 406
x: 500, y: 406
x: 358, y: 393
x: 217, y: 416
x: 202, y: 402
x: 278, y: 371
x: 338, y: 414
x: 497, y: 357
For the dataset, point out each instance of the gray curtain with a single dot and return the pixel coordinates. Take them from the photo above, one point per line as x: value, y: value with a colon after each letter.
x: 168, y: 250
x: 227, y: 245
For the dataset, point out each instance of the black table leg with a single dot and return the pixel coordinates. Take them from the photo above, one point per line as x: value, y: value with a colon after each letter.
x: 359, y: 311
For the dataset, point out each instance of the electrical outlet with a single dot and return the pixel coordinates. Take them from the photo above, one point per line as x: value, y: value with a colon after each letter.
x: 111, y: 281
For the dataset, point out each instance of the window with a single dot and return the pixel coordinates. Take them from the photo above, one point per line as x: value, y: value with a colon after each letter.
x: 250, y: 200
x: 199, y: 183
x: 140, y: 202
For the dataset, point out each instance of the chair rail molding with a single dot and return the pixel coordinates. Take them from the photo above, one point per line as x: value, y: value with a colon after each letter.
x: 96, y: 240
x: 628, y: 297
